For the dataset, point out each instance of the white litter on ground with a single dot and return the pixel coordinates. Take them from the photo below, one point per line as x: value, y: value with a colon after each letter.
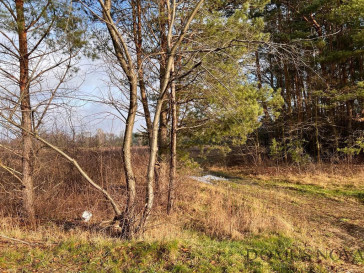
x: 207, y: 179
x: 86, y: 216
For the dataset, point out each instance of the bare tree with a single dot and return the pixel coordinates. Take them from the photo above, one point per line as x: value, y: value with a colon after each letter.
x: 39, y: 44
x: 122, y: 32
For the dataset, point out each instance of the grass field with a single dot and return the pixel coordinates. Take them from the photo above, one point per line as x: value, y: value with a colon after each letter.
x: 277, y: 222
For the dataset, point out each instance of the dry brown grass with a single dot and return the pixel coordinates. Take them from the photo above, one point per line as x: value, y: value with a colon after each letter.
x: 258, y: 203
x: 62, y: 193
x: 322, y: 204
x: 220, y: 212
x: 228, y: 210
x: 324, y: 175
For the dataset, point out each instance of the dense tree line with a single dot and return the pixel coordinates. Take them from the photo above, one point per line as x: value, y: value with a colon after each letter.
x: 320, y: 79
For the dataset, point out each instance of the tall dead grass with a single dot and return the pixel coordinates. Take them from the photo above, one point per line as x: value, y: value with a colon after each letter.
x: 62, y: 195
x: 217, y: 211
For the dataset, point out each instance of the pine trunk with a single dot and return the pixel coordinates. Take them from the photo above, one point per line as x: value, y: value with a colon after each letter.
x: 26, y: 116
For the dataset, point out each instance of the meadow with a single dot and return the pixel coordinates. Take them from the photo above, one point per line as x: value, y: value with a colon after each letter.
x: 264, y: 219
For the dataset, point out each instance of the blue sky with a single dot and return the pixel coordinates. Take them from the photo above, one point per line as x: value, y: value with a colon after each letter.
x: 93, y: 83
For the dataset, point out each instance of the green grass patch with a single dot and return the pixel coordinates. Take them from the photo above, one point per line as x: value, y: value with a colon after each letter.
x: 347, y: 191
x: 199, y: 254
x: 318, y: 190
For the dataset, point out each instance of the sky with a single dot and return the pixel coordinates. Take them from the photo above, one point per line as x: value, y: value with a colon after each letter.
x: 80, y: 111
x: 92, y: 83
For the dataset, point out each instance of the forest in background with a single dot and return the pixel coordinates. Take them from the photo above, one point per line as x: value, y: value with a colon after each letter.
x: 323, y: 111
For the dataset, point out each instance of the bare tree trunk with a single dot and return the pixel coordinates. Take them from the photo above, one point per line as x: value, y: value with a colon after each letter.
x: 26, y: 113
x: 161, y: 165
x: 138, y: 40
x: 318, y: 145
x: 127, y: 219
x: 148, y: 119
x: 163, y: 133
x: 154, y: 144
x: 173, y: 159
x: 259, y: 76
x: 287, y: 89
x: 128, y: 225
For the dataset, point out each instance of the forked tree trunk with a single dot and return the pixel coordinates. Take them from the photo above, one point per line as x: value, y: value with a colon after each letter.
x: 127, y: 219
x: 129, y: 228
x: 154, y: 143
x: 26, y: 115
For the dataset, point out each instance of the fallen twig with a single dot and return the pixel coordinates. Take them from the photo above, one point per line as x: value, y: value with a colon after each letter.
x: 15, y: 240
